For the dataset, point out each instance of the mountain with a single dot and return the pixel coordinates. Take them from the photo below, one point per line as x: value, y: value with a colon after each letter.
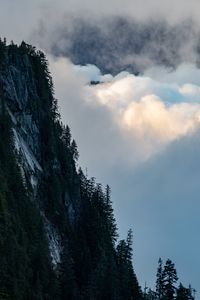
x: 57, y: 228
x: 58, y: 233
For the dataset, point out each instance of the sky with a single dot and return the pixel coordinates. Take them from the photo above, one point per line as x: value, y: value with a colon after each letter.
x: 140, y: 134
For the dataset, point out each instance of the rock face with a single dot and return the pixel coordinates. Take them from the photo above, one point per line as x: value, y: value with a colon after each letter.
x: 22, y: 101
x: 57, y: 227
x: 19, y: 88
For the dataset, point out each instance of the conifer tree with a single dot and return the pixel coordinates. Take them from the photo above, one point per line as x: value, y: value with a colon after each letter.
x: 170, y: 278
x: 184, y: 293
x: 112, y: 227
x: 160, y: 280
x: 129, y: 286
x: 66, y: 136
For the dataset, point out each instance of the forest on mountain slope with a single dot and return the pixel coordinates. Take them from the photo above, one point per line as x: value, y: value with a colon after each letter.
x: 92, y: 264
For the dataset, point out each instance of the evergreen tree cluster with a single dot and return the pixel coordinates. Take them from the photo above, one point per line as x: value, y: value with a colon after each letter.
x: 94, y: 265
x: 166, y: 285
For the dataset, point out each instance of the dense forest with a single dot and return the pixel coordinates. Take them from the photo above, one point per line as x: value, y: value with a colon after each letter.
x: 58, y: 233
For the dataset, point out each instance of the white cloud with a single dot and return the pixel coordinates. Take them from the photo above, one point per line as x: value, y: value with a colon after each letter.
x: 92, y: 73
x: 147, y: 114
x: 184, y: 74
x: 149, y: 111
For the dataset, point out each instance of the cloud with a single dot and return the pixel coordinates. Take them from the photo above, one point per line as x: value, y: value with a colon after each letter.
x: 183, y: 74
x: 151, y: 114
x: 139, y: 9
x: 143, y: 114
x: 120, y: 43
x: 24, y: 17
x: 50, y: 17
x: 92, y: 73
x: 114, y: 35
